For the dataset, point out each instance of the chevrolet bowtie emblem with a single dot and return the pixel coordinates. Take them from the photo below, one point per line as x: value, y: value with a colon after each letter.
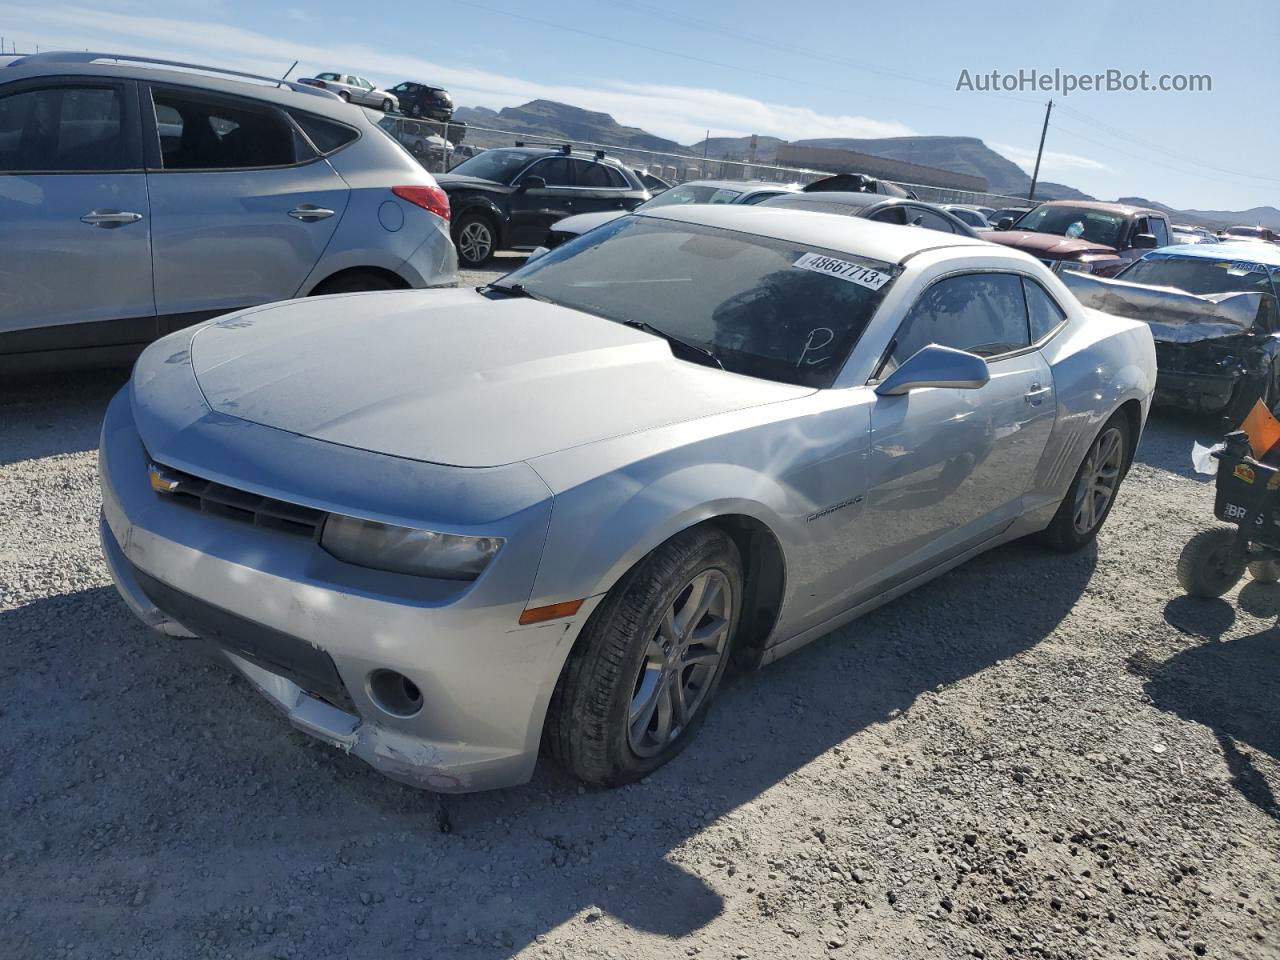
x: 161, y: 480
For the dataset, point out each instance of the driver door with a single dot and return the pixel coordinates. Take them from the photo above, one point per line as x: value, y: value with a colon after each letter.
x: 534, y: 210
x: 947, y: 468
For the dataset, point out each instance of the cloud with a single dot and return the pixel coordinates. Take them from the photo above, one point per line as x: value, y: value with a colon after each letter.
x: 676, y: 112
x: 1052, y: 161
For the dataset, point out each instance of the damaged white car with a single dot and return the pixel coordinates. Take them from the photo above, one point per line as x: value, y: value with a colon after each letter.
x: 439, y: 529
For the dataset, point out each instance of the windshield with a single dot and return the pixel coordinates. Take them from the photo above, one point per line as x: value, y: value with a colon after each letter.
x: 693, y: 193
x: 764, y: 308
x: 1096, y: 226
x: 497, y: 165
x: 1200, y: 275
x: 1254, y: 232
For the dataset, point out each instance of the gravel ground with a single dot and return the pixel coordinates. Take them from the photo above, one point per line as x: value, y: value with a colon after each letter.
x: 1033, y: 756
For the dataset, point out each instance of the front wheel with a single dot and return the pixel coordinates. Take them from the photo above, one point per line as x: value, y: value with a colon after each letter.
x: 1093, y: 491
x: 473, y: 236
x: 642, y: 675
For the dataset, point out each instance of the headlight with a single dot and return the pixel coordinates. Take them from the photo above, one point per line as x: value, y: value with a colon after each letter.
x: 1076, y: 265
x: 420, y: 553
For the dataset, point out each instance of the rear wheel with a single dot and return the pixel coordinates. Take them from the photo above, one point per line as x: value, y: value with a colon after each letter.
x: 642, y: 675
x: 346, y: 97
x: 386, y: 106
x: 1206, y: 567
x: 1093, y: 491
x: 473, y: 235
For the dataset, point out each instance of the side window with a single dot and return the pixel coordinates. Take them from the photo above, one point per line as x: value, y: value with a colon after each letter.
x: 1042, y: 310
x: 1161, y: 230
x: 327, y: 135
x: 590, y: 173
x: 930, y: 220
x: 1140, y: 225
x: 756, y: 198
x: 892, y: 214
x: 199, y: 134
x: 555, y: 170
x: 983, y: 313
x: 64, y: 129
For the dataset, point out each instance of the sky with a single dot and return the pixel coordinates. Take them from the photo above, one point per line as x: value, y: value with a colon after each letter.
x: 750, y: 66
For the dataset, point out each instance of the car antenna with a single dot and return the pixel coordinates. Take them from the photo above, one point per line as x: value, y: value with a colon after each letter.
x: 281, y: 81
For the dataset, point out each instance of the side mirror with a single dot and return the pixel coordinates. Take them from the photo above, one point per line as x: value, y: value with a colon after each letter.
x: 1145, y: 241
x: 936, y: 366
x: 532, y: 182
x: 1004, y: 223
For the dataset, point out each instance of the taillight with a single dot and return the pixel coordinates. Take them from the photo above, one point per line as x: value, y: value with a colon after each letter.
x: 432, y: 199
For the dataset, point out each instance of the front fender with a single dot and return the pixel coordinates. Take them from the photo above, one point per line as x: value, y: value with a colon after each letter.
x: 602, y: 528
x: 480, y: 204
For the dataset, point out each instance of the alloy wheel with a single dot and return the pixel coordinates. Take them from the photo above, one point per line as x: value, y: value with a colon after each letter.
x: 475, y: 241
x: 680, y: 663
x: 1099, y: 477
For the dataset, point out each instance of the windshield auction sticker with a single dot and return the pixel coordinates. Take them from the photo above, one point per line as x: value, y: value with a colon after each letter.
x: 843, y: 270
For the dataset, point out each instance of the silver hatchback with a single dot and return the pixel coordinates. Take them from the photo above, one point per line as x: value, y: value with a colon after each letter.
x: 140, y: 196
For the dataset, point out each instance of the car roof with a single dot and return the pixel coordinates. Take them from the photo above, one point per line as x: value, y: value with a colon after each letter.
x: 557, y: 152
x: 887, y: 242
x: 847, y: 197
x: 1267, y: 253
x: 1124, y: 208
x: 743, y: 185
x: 298, y: 96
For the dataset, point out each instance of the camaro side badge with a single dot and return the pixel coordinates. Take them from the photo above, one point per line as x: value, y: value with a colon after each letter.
x: 832, y: 509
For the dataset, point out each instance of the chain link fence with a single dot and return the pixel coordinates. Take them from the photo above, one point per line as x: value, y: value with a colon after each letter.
x: 442, y: 146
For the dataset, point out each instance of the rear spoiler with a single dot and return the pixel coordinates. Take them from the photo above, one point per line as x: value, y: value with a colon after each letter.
x: 1175, y: 315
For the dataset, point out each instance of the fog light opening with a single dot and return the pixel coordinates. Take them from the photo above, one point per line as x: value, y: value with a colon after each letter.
x: 395, y: 693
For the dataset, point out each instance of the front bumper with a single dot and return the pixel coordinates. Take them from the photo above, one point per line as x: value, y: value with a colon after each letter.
x: 309, y: 632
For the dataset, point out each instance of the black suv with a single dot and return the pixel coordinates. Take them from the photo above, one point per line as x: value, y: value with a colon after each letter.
x: 508, y: 197
x: 424, y: 100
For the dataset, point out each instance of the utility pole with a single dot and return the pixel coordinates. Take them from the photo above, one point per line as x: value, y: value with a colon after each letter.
x: 1031, y: 194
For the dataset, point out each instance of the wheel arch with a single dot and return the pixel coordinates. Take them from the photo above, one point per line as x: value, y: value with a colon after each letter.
x: 485, y: 208
x: 390, y: 275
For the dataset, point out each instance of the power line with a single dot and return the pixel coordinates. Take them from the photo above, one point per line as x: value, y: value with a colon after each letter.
x: 751, y: 71
x: 1162, y: 150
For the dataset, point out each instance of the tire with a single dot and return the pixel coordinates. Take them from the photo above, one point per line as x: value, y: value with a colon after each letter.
x: 1075, y: 525
x: 616, y: 714
x: 1265, y: 571
x: 346, y: 97
x: 386, y: 106
x: 355, y: 281
x: 1205, y: 568
x: 475, y: 238
x: 416, y: 110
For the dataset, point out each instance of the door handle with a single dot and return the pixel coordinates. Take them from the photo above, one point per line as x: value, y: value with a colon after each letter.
x: 110, y: 218
x: 1035, y: 396
x: 308, y: 212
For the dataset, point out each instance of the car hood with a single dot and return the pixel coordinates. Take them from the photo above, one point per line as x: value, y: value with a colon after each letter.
x: 458, y: 181
x: 454, y: 377
x: 1046, y: 244
x: 582, y: 222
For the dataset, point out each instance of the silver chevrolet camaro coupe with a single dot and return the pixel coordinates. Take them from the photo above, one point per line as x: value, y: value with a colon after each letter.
x: 438, y: 529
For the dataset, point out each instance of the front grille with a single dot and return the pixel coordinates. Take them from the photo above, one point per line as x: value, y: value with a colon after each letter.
x: 206, y: 496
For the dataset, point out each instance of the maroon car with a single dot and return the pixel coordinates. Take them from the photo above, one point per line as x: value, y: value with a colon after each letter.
x: 1096, y: 237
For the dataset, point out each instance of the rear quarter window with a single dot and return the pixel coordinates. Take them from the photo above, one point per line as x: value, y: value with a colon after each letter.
x: 326, y: 135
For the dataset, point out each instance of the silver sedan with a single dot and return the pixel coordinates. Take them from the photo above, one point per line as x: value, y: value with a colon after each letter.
x: 437, y: 529
x: 354, y: 89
